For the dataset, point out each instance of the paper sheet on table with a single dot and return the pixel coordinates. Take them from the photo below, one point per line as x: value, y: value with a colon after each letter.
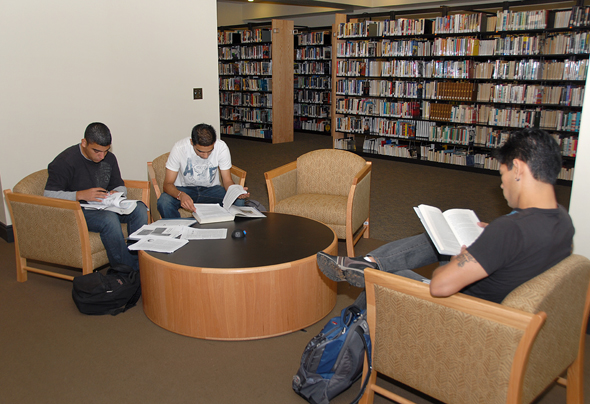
x: 158, y: 244
x: 151, y: 230
x: 190, y: 233
x: 174, y: 222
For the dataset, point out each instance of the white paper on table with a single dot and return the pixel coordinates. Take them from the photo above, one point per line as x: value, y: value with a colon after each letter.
x: 158, y: 244
x: 150, y: 230
x: 190, y: 233
x: 174, y: 222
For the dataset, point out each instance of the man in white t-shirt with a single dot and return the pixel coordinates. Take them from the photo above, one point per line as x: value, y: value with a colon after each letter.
x: 193, y: 170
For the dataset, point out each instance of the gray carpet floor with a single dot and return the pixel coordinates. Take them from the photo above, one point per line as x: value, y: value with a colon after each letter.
x: 50, y: 353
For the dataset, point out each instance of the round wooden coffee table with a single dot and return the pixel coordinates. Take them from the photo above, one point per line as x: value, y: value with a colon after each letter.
x: 263, y: 285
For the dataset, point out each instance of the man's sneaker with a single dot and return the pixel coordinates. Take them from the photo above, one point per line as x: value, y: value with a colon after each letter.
x: 344, y: 268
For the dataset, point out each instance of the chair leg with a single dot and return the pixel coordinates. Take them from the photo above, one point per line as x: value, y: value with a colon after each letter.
x: 21, y: 272
x: 575, y: 382
x: 369, y: 395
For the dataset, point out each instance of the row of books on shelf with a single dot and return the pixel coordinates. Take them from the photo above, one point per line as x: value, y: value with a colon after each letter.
x: 579, y: 16
x: 569, y: 95
x: 246, y: 99
x: 511, y: 45
x: 309, y: 67
x: 311, y: 124
x: 455, y: 156
x: 504, y: 20
x: 313, y: 82
x: 243, y: 36
x: 311, y: 110
x: 245, y: 129
x: 312, y: 97
x: 249, y: 68
x: 508, y: 20
x: 466, y: 114
x: 245, y: 84
x: 566, y: 95
x: 524, y: 69
x: 389, y: 127
x: 378, y: 107
x: 384, y: 48
x: 312, y: 38
x: 397, y: 27
x: 507, y: 117
x: 263, y: 116
x: 387, y: 147
x: 313, y: 53
x: 463, y: 136
x: 245, y: 52
x: 463, y: 23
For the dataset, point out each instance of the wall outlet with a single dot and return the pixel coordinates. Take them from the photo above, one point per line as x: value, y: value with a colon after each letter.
x: 198, y: 93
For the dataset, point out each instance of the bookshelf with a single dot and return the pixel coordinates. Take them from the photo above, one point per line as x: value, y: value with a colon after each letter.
x: 449, y: 89
x: 256, y: 81
x: 313, y: 80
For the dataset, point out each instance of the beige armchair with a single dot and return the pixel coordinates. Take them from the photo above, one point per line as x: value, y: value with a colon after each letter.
x: 54, y: 231
x: 462, y: 349
x: 157, y: 172
x: 330, y: 186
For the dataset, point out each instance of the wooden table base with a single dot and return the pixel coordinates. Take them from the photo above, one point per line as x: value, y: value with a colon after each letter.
x: 236, y: 304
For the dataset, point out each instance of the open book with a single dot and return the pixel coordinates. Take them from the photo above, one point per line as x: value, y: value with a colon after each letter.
x: 115, y: 202
x: 449, y: 230
x: 213, y: 213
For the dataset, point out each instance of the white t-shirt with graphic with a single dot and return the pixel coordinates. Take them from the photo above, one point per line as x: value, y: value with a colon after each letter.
x: 194, y: 171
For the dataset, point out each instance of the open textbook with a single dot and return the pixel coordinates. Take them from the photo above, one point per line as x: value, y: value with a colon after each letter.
x: 213, y: 213
x: 449, y: 230
x: 115, y: 202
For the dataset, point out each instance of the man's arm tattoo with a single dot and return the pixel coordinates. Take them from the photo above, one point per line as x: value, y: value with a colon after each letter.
x: 465, y: 258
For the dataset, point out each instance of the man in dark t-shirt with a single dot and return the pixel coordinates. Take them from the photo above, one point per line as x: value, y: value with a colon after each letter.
x: 88, y: 172
x: 511, y: 250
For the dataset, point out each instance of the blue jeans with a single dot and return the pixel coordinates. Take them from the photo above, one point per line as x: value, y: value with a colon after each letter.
x: 108, y: 224
x: 400, y: 257
x: 168, y: 205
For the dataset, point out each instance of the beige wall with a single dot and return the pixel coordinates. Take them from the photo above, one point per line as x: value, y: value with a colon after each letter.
x: 131, y: 64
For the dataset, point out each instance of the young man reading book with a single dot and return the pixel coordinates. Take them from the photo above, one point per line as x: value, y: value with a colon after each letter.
x: 89, y: 172
x: 511, y: 250
x: 193, y: 169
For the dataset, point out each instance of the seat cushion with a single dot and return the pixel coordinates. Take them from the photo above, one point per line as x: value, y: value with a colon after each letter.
x: 328, y: 209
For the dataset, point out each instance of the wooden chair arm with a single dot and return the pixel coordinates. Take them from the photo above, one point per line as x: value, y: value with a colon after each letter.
x: 152, y: 180
x: 281, y: 183
x: 239, y: 175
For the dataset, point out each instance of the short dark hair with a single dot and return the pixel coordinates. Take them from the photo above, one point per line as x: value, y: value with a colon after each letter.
x: 537, y: 148
x: 98, y: 133
x: 203, y: 135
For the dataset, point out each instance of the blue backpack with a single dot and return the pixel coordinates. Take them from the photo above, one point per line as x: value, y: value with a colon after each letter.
x: 333, y: 360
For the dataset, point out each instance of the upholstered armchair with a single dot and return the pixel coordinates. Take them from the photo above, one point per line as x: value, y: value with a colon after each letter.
x: 461, y: 349
x: 330, y: 186
x: 157, y: 172
x: 54, y: 231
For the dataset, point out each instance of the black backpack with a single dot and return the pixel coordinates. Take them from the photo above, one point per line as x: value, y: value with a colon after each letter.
x: 333, y: 360
x: 113, y: 293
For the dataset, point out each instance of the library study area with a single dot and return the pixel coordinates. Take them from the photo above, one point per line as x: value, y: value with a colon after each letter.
x: 372, y: 108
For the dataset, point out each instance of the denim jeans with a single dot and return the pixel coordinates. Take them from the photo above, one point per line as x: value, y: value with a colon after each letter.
x: 168, y: 205
x: 400, y: 257
x: 108, y: 224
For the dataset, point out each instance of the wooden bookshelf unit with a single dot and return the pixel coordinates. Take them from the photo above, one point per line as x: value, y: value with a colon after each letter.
x: 256, y: 81
x: 313, y: 81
